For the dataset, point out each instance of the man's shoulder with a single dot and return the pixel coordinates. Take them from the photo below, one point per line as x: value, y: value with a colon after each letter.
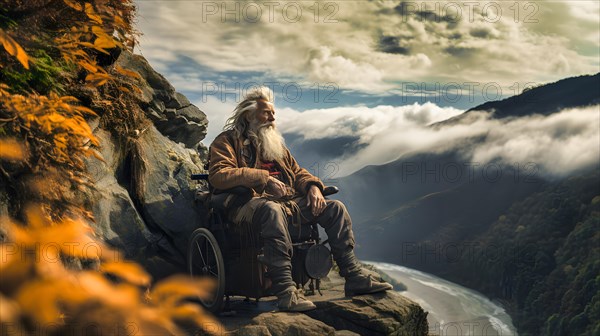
x: 228, y: 136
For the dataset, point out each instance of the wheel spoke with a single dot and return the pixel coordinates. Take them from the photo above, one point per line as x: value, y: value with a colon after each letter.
x: 207, y: 255
x: 200, y: 252
x: 205, y: 258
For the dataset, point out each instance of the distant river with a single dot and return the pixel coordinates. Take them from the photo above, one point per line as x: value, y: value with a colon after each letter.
x: 453, y: 309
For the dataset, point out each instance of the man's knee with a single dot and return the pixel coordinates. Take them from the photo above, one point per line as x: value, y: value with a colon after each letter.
x: 336, y: 206
x: 271, y: 218
x: 269, y: 210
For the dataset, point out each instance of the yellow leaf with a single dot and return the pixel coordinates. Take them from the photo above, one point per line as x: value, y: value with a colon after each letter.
x: 34, y: 213
x: 169, y: 291
x: 9, y: 310
x: 104, y: 42
x: 94, y: 153
x: 12, y: 150
x: 73, y: 5
x: 85, y: 44
x: 128, y: 271
x: 40, y: 300
x: 127, y: 72
x: 88, y: 66
x: 13, y: 48
x: 193, y: 313
x: 97, y: 79
x: 89, y: 10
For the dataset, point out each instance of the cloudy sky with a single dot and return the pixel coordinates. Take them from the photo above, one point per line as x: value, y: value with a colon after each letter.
x: 358, y: 81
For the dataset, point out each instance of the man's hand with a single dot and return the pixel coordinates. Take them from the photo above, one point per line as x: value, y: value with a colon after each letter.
x: 276, y: 187
x: 315, y: 200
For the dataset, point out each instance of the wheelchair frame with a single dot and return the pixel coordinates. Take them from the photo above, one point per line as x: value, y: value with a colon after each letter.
x: 238, y: 270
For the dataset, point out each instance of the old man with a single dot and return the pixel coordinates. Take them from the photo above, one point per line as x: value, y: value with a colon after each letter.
x: 251, y: 153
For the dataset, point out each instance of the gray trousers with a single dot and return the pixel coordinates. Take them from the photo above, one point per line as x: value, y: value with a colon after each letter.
x: 278, y: 250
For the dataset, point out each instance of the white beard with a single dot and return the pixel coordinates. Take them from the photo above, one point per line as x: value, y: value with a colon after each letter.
x: 271, y: 142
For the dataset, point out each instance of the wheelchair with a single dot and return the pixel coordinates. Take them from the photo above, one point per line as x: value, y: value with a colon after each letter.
x: 231, y: 254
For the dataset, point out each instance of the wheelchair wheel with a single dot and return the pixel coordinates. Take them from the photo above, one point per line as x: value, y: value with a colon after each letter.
x: 205, y: 259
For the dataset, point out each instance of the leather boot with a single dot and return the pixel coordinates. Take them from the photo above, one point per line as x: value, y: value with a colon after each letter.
x: 293, y: 301
x: 358, y: 284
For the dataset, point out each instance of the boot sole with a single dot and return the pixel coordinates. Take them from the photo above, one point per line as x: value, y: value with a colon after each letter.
x: 372, y: 291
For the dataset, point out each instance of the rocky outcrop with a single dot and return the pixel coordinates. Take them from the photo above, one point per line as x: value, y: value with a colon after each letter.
x: 387, y: 313
x: 151, y: 216
x: 170, y: 111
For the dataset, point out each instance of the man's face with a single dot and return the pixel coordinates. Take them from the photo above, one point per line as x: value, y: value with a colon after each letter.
x: 265, y: 112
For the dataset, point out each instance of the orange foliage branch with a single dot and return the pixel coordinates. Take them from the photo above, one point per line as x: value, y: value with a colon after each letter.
x: 43, y: 283
x: 55, y: 119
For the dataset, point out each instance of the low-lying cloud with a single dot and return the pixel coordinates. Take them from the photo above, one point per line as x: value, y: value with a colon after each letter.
x: 558, y: 144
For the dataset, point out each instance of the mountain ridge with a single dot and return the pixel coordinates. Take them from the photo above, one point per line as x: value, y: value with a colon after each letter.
x: 408, y: 208
x: 544, y: 99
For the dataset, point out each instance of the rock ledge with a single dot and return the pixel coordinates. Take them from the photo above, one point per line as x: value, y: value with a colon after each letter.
x: 388, y: 313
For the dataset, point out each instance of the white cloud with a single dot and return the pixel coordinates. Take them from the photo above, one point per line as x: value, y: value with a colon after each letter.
x: 349, y: 51
x: 558, y: 144
x: 386, y: 131
x: 324, y: 68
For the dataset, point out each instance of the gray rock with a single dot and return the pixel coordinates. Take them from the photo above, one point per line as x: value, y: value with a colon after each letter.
x: 178, y: 101
x: 284, y: 324
x: 151, y: 229
x: 170, y: 111
x: 167, y: 200
x: 387, y: 313
x: 179, y: 129
x: 117, y: 221
x: 153, y: 84
x: 253, y: 330
x: 192, y: 113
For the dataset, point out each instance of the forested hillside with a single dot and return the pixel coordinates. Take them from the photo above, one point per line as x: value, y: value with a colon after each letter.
x: 542, y: 258
x: 506, y: 229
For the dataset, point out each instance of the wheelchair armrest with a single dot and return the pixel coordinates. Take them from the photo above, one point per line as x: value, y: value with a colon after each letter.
x: 330, y: 190
x: 226, y: 199
x: 202, y: 177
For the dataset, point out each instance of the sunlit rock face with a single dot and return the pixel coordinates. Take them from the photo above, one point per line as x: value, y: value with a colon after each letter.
x: 144, y: 202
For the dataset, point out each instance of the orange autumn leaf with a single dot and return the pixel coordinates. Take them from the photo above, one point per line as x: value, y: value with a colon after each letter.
x: 97, y: 79
x: 73, y: 5
x: 72, y: 237
x: 193, y: 313
x: 97, y: 287
x: 40, y: 299
x: 91, y: 67
x: 130, y: 272
x: 9, y: 310
x: 14, y: 49
x: 89, y: 11
x: 12, y: 150
x: 103, y: 40
x: 171, y: 290
x: 127, y: 72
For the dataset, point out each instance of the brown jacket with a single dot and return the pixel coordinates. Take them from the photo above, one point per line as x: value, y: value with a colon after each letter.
x: 228, y: 168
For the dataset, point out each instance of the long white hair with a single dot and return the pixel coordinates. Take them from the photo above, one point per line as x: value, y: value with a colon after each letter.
x: 266, y: 137
x: 238, y: 121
